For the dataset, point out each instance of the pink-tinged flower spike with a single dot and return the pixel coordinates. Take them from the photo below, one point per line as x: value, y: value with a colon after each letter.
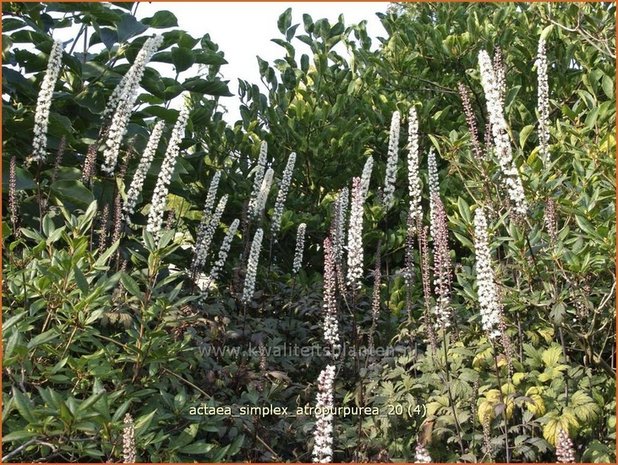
x: 355, y: 236
x: 123, y: 99
x: 331, y: 325
x: 487, y: 290
x: 414, y: 180
x: 260, y: 169
x: 499, y: 129
x: 564, y: 448
x: 286, y: 180
x: 366, y: 176
x: 208, y: 206
x: 323, y: 433
x: 300, y: 247
x: 142, y: 169
x: 43, y: 104
x: 129, y: 452
x: 13, y: 206
x: 203, y: 247
x: 391, y: 162
x: 252, y: 265
x: 442, y: 265
x: 543, y: 100
x: 421, y: 454
x: 464, y: 94
x: 159, y: 196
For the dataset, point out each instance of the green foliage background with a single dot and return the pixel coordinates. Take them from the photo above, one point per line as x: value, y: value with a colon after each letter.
x: 86, y: 339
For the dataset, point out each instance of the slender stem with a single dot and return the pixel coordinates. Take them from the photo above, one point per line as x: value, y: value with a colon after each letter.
x: 450, y: 394
x: 506, y: 426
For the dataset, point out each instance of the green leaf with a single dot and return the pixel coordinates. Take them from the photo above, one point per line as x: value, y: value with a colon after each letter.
x: 182, y: 58
x: 24, y: 405
x: 608, y: 86
x: 80, y: 280
x: 43, y: 338
x: 72, y: 191
x: 129, y: 27
x: 202, y: 86
x: 284, y: 21
x: 197, y: 448
x: 131, y: 285
x: 161, y: 20
x: 19, y: 436
x: 524, y: 134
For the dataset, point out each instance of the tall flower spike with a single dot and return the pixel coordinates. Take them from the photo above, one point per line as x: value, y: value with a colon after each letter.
x: 129, y: 452
x: 252, y: 265
x: 331, y: 325
x: 338, y: 228
x: 133, y: 76
x: 375, y: 302
x: 262, y: 197
x: 142, y: 169
x: 366, y: 176
x: 464, y: 94
x: 323, y: 433
x: 286, y: 179
x: 543, y: 100
x: 487, y: 291
x: 500, y: 134
x: 209, y: 204
x: 43, y: 104
x: 434, y: 188
x: 203, y: 246
x: 222, y: 256
x: 414, y: 180
x: 123, y: 100
x: 300, y: 247
x: 355, y: 236
x: 391, y: 162
x: 260, y: 169
x: 564, y: 448
x: 500, y: 72
x: 442, y: 265
x: 13, y: 207
x: 159, y: 196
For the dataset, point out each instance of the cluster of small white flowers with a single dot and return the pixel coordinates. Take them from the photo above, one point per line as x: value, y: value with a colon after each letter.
x: 286, y: 179
x: 414, y: 180
x: 134, y: 74
x: 500, y: 73
x: 222, y: 256
x: 391, y: 162
x: 142, y: 169
x: 159, y: 196
x: 421, y: 454
x: 355, y: 236
x: 123, y: 99
x: 259, y: 176
x: 565, y: 453
x: 209, y: 204
x: 262, y: 197
x: 203, y: 246
x: 323, y: 433
x: 341, y: 211
x: 300, y: 247
x: 331, y: 326
x: 434, y: 188
x: 252, y: 265
x: 543, y: 100
x: 366, y: 176
x: 499, y: 130
x: 487, y: 291
x: 129, y: 452
x: 43, y: 104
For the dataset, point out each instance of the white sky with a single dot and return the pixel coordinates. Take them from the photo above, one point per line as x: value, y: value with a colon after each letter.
x: 244, y: 29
